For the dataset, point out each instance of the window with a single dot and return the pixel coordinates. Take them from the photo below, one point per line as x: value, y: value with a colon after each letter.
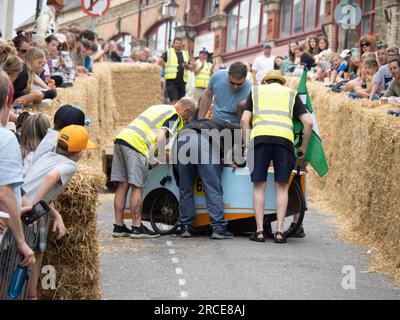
x: 297, y: 16
x: 243, y: 24
x: 286, y: 17
x: 209, y: 8
x: 232, y: 28
x: 254, y: 28
x: 310, y: 16
x: 321, y: 11
x: 301, y: 15
x: 158, y: 38
x: 368, y: 11
x: 246, y: 25
x: 264, y: 25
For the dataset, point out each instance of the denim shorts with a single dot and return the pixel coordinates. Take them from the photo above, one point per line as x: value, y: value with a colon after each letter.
x: 260, y: 158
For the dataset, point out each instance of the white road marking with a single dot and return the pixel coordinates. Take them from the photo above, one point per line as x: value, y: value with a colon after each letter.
x: 175, y: 260
x: 182, y: 282
x: 178, y: 270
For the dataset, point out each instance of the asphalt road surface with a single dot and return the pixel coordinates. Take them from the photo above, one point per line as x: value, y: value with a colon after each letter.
x: 315, y: 267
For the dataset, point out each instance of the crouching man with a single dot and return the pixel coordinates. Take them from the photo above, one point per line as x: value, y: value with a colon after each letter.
x: 132, y: 149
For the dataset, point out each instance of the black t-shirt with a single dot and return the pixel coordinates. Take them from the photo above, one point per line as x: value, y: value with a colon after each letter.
x: 298, y: 109
x: 179, y: 55
x: 20, y: 83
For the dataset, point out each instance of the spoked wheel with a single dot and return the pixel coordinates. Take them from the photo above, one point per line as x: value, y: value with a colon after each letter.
x: 295, y: 211
x: 164, y: 213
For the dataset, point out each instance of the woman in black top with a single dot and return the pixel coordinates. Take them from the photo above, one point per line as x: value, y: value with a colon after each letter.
x: 24, y: 91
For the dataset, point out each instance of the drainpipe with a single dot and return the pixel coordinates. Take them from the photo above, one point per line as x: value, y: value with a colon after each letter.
x: 139, y: 20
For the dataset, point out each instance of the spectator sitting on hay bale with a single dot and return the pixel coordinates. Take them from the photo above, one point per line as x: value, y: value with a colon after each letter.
x: 24, y: 86
x: 45, y: 180
x: 394, y: 87
x: 384, y: 77
x: 87, y: 50
x: 371, y: 68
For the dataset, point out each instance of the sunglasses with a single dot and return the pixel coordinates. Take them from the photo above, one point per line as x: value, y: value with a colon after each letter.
x: 22, y: 50
x: 365, y: 44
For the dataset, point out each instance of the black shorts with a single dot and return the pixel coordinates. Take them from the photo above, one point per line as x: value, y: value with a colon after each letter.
x: 260, y: 158
x: 175, y: 90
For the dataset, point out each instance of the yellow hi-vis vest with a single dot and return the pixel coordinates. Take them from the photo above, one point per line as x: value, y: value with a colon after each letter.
x: 273, y: 111
x: 141, y: 133
x: 202, y: 78
x: 171, y: 66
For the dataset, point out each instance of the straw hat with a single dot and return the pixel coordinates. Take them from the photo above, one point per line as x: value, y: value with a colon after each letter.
x: 276, y: 75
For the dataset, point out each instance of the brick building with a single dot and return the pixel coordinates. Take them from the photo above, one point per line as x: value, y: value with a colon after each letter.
x: 233, y: 29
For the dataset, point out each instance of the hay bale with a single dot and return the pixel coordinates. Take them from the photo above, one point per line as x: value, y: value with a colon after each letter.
x: 112, y: 98
x: 76, y: 258
x: 362, y: 146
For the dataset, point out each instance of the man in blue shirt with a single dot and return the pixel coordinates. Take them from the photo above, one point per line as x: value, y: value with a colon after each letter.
x: 228, y: 88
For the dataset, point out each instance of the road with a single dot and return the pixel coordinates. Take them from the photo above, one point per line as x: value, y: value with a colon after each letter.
x: 200, y: 268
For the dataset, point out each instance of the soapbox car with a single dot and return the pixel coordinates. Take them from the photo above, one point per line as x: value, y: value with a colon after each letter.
x: 161, y: 196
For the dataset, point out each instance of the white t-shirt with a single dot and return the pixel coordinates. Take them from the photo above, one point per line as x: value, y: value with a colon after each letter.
x: 48, y: 144
x: 38, y: 171
x: 262, y: 65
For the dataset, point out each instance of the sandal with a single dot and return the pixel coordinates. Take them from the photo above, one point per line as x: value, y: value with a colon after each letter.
x: 282, y: 238
x: 255, y: 236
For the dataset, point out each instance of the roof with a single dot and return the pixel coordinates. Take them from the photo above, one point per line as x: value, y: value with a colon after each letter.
x: 70, y: 5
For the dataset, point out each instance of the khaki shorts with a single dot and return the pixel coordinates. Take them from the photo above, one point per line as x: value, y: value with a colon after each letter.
x: 129, y: 166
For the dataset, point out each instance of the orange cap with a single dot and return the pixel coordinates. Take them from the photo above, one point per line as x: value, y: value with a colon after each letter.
x: 76, y: 138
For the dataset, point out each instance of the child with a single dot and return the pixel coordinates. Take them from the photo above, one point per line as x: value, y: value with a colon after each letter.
x: 371, y: 68
x: 66, y: 115
x: 45, y: 181
x: 339, y: 68
x: 87, y: 50
x: 24, y: 86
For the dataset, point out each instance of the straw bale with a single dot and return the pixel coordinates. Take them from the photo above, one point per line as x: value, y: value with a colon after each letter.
x: 112, y: 98
x: 362, y: 145
x: 75, y: 258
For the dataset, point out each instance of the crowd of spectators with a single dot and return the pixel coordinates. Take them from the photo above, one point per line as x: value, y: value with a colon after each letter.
x: 368, y: 70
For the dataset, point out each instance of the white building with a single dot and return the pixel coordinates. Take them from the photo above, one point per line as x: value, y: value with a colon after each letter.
x: 6, y: 18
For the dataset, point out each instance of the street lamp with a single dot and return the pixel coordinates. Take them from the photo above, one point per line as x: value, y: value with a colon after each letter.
x: 171, y: 8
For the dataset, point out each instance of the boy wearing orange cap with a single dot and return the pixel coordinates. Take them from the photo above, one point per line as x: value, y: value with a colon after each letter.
x: 46, y: 179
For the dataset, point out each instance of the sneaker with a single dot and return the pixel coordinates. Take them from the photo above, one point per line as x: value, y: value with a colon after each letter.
x: 221, y: 233
x: 143, y: 232
x: 299, y: 233
x: 121, y: 231
x: 185, y: 231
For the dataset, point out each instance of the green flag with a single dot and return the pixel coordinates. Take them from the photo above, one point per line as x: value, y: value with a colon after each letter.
x: 315, y: 153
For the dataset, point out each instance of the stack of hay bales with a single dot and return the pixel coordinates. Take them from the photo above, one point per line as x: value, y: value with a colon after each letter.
x: 112, y: 98
x: 362, y: 145
x: 76, y: 257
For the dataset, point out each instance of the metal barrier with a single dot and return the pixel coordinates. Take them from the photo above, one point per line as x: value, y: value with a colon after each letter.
x: 9, y: 259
